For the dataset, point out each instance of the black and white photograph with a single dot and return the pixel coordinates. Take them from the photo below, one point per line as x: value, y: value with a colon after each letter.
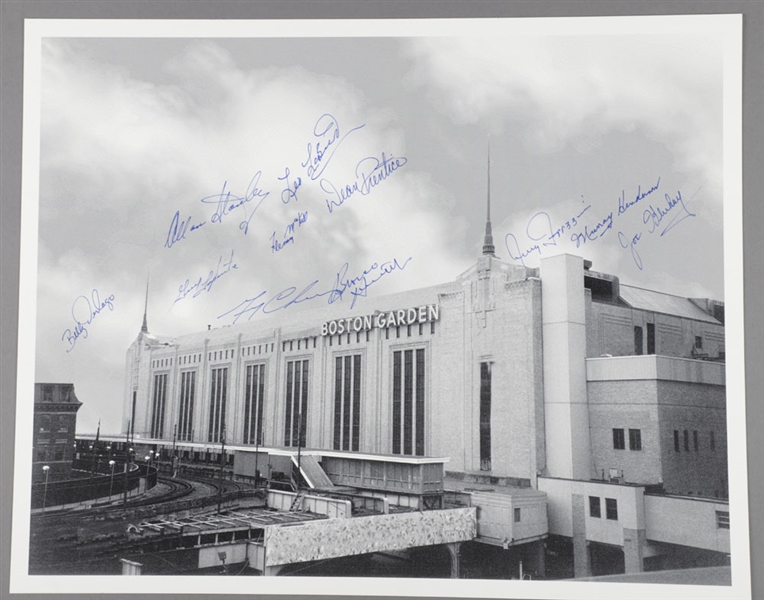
x: 434, y: 307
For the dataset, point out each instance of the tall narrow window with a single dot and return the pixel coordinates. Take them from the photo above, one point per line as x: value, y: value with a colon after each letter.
x: 676, y: 440
x: 254, y: 392
x: 638, y: 348
x: 218, y: 395
x: 347, y: 402
x: 594, y: 507
x: 651, y: 338
x: 485, y: 416
x: 611, y: 509
x: 409, y: 402
x: 157, y: 410
x: 186, y: 416
x: 296, y: 403
x: 619, y: 442
x: 686, y: 441
x: 635, y: 439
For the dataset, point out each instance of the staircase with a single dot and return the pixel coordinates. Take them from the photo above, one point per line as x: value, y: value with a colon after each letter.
x: 312, y: 472
x: 297, y: 502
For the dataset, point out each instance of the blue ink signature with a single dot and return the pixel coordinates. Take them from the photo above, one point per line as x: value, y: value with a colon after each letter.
x: 623, y: 206
x: 358, y: 285
x: 227, y: 202
x: 290, y: 191
x: 596, y: 232
x: 631, y: 244
x: 178, y: 230
x: 205, y: 284
x: 354, y: 286
x: 328, y: 139
x: 654, y: 216
x: 84, y: 311
x: 288, y: 237
x: 539, y: 229
x: 369, y: 172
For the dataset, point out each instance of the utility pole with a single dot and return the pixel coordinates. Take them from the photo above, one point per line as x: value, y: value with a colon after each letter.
x: 222, y: 462
x: 299, y: 446
x: 127, y: 460
x: 174, y: 450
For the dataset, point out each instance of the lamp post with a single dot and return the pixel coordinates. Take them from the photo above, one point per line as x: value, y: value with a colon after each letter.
x: 46, y: 470
x: 111, y: 483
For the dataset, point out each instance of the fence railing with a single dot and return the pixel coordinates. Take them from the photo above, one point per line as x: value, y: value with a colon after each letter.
x: 92, y: 486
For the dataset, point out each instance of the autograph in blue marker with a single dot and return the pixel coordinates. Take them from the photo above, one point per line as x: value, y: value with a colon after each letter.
x: 84, y: 311
x: 327, y: 137
x: 674, y: 209
x: 204, y: 284
x: 354, y: 287
x: 370, y: 172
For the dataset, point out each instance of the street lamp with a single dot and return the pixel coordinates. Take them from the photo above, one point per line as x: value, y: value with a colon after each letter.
x: 111, y: 483
x: 46, y: 470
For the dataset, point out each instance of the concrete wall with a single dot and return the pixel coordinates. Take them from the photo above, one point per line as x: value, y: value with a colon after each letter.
x: 332, y: 538
x: 686, y: 521
x: 332, y: 508
x: 625, y: 405
x: 701, y: 408
x: 564, y: 337
x: 610, y: 330
x: 560, y: 495
x: 496, y: 517
x: 494, y: 318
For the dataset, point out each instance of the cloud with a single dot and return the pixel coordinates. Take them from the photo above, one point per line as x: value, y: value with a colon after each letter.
x: 568, y: 90
x: 120, y: 155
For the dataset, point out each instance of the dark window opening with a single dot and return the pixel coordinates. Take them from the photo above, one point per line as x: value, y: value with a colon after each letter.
x: 485, y: 416
x: 686, y: 441
x: 676, y: 440
x: 254, y: 394
x: 408, y: 402
x: 594, y: 507
x: 347, y: 402
x: 218, y: 395
x: 618, y: 439
x: 611, y: 509
x: 635, y: 439
x: 296, y: 419
x: 651, y: 338
x: 638, y: 348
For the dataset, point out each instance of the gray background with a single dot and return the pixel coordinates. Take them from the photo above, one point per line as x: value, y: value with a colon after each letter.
x: 13, y: 12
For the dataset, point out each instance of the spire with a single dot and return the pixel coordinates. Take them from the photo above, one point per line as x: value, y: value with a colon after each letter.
x: 488, y: 247
x: 145, y: 326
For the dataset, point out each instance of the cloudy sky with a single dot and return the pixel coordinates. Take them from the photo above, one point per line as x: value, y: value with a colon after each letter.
x: 277, y: 162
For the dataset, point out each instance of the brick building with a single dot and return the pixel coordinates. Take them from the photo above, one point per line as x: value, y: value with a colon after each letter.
x: 607, y: 397
x: 55, y: 419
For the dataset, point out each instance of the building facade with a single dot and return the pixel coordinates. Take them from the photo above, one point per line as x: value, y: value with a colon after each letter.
x: 522, y: 376
x: 55, y: 419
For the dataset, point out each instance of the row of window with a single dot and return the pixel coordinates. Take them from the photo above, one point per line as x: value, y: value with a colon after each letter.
x: 635, y: 439
x: 681, y: 439
x: 638, y: 340
x: 299, y: 344
x: 684, y: 436
x: 611, y: 508
x: 408, y: 403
